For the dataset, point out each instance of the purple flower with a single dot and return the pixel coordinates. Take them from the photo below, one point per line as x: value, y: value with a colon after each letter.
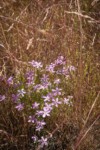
x: 15, y: 97
x: 46, y: 85
x: 56, y: 91
x: 21, y: 92
x: 40, y: 125
x: 43, y: 142
x: 45, y: 112
x: 56, y: 102
x: 30, y: 78
x: 63, y: 71
x: 29, y: 74
x: 36, y: 87
x: 38, y: 113
x: 48, y: 106
x: 66, y: 100
x: 17, y: 84
x: 32, y: 119
x: 57, y: 81
x: 35, y: 105
x: 46, y: 98
x: 71, y: 68
x: 36, y: 64
x: 59, y: 71
x: 34, y: 138
x: 60, y: 61
x: 30, y: 82
x: 44, y: 78
x: 2, y: 98
x: 45, y: 81
x: 39, y: 87
x: 19, y: 107
x: 10, y: 80
x: 51, y: 95
x: 50, y: 68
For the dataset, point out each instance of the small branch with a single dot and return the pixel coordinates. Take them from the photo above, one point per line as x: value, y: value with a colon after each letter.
x: 84, y: 135
x: 80, y: 137
x: 82, y: 15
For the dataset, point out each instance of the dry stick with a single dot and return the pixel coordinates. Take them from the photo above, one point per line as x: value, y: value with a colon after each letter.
x: 80, y: 139
x: 15, y: 20
x: 79, y: 14
x: 7, y: 48
x: 83, y: 16
x: 94, y: 2
x: 4, y: 132
x: 3, y: 33
x: 80, y: 57
x: 91, y: 108
x: 84, y: 135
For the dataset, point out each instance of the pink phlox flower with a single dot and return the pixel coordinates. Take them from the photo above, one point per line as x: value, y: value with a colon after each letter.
x: 40, y: 125
x: 35, y: 105
x: 65, y: 71
x: 32, y: 119
x: 21, y: 92
x: 50, y: 68
x: 19, y: 107
x: 34, y: 138
x: 30, y: 78
x: 39, y: 87
x: 71, y: 68
x: 10, y: 80
x: 56, y: 91
x: 46, y: 85
x: 36, y: 64
x: 39, y: 113
x: 51, y: 95
x: 44, y: 78
x: 46, y: 98
x: 45, y: 112
x: 56, y: 102
x: 15, y: 97
x: 60, y: 61
x: 57, y: 81
x: 66, y: 100
x: 43, y: 141
x: 48, y: 106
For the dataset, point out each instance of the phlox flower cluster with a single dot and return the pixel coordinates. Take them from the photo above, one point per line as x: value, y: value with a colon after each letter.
x: 40, y: 91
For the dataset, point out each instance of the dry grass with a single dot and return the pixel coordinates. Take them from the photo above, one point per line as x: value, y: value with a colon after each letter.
x: 42, y: 30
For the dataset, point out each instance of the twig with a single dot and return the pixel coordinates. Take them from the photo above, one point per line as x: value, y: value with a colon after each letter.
x: 91, y: 109
x: 94, y: 2
x: 79, y: 139
x: 84, y: 135
x: 82, y: 15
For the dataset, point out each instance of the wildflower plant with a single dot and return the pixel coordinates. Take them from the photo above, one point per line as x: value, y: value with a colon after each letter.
x: 39, y: 91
